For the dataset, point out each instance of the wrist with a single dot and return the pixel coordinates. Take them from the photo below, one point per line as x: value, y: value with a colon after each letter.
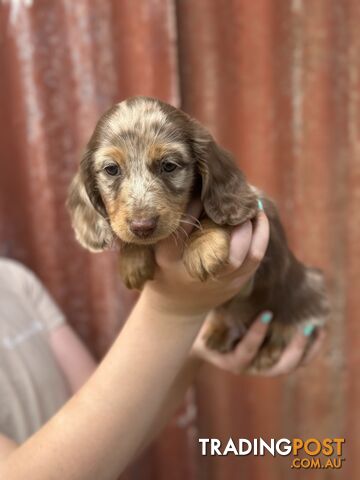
x: 162, y: 305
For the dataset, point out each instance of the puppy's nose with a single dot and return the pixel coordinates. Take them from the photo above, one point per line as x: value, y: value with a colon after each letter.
x: 143, y: 227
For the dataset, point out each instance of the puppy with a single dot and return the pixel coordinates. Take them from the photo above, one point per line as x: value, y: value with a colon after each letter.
x: 143, y: 164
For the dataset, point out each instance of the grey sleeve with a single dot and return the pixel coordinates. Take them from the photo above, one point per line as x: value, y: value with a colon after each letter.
x: 34, y: 292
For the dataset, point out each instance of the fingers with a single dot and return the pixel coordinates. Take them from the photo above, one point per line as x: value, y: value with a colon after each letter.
x: 291, y: 356
x: 241, y: 239
x: 315, y: 347
x: 240, y: 243
x: 248, y: 246
x: 246, y: 350
x: 259, y: 243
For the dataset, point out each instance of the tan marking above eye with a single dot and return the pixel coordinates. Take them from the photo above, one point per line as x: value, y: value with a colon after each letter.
x: 113, y: 153
x: 156, y: 152
x: 159, y: 151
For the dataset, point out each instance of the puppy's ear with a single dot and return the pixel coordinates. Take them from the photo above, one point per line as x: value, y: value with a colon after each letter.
x: 226, y: 196
x: 87, y: 210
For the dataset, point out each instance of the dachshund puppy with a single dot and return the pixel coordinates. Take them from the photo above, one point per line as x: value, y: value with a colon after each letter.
x: 143, y: 164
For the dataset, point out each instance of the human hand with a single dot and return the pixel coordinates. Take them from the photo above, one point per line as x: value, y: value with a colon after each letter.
x: 174, y: 290
x: 239, y: 360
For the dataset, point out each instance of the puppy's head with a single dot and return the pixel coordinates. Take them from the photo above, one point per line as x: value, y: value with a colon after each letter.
x: 139, y: 171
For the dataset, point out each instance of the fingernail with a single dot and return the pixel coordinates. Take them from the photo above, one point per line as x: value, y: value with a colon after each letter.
x: 308, y: 330
x: 266, y: 317
x: 260, y: 204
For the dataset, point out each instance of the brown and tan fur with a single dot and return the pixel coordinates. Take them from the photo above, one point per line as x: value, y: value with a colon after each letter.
x: 138, y: 139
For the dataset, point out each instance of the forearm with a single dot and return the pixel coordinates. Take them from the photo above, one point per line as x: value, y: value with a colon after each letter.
x: 6, y: 447
x: 173, y: 399
x: 73, y: 358
x: 96, y: 434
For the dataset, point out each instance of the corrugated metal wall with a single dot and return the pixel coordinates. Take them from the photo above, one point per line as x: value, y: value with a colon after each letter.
x: 278, y: 83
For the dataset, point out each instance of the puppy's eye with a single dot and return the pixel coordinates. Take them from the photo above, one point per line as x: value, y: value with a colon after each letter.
x: 113, y: 169
x: 168, y: 166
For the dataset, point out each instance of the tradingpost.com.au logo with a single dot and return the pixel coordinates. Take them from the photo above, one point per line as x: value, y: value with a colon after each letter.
x: 311, y: 453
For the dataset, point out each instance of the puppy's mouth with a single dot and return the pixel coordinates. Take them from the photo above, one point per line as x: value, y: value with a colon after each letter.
x: 145, y: 231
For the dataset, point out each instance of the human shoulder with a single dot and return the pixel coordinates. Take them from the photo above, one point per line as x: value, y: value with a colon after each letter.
x: 9, y: 266
x: 21, y: 281
x: 14, y: 273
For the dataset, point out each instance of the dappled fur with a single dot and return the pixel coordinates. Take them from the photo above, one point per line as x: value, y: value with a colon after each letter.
x: 139, y: 138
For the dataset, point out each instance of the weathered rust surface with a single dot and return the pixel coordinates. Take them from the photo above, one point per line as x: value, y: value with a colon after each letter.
x: 278, y: 84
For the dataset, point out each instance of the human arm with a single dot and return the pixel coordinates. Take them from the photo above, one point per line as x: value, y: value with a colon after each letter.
x: 74, y: 359
x: 100, y: 429
x: 195, y: 359
x: 111, y: 412
x: 6, y: 447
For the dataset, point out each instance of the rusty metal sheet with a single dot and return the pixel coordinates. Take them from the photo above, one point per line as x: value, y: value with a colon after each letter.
x: 278, y: 84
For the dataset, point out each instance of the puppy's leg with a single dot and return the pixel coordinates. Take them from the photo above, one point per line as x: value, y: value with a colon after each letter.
x: 222, y: 332
x: 136, y: 265
x: 294, y: 293
x: 207, y: 250
x: 298, y: 305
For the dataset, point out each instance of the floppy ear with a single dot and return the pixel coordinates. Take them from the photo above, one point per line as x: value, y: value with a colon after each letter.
x: 88, y: 214
x: 227, y: 197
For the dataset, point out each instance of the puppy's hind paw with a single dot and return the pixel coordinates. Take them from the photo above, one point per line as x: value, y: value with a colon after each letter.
x: 267, y: 358
x: 223, y: 338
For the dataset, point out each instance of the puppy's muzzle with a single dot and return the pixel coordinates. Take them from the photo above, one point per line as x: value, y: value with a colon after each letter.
x: 143, y: 227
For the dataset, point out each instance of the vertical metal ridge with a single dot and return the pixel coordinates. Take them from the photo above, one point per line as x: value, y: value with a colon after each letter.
x: 277, y: 83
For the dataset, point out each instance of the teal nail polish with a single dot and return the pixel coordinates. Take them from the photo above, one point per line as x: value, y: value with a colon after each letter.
x: 266, y: 317
x: 308, y: 330
x: 260, y: 204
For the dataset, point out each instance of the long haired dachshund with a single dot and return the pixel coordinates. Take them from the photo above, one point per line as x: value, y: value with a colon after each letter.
x: 142, y: 165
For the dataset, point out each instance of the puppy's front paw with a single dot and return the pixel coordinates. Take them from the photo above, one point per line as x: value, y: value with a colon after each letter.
x: 207, y: 251
x: 136, y: 266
